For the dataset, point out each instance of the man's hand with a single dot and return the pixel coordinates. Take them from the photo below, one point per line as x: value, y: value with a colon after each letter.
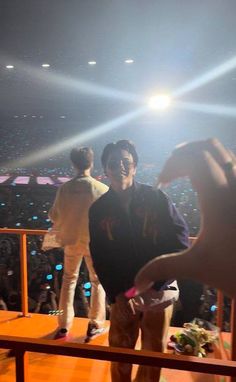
x: 212, y: 258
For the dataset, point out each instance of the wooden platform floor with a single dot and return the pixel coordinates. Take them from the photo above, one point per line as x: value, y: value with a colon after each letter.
x: 50, y: 368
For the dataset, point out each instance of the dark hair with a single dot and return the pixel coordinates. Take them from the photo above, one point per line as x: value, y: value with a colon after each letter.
x: 82, y: 157
x: 123, y: 144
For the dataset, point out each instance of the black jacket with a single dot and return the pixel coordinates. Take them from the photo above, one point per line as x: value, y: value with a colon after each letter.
x: 121, y: 243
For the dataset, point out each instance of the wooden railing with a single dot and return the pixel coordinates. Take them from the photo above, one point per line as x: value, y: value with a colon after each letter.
x: 22, y: 345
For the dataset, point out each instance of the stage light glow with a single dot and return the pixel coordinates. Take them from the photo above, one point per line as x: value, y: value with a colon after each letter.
x: 45, y: 65
x: 221, y: 110
x: 129, y: 61
x: 159, y: 102
x: 92, y: 62
x: 207, y: 77
x: 76, y: 139
x: 9, y: 66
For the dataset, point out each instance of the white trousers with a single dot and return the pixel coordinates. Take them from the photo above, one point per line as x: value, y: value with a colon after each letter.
x: 73, y: 255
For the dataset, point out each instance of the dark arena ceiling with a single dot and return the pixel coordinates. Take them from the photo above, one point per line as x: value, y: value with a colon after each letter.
x: 183, y: 48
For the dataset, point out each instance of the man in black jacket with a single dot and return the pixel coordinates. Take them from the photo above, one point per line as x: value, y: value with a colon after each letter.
x: 129, y: 225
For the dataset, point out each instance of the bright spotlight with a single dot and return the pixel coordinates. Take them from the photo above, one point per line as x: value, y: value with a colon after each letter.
x: 9, y: 66
x: 159, y: 102
x: 129, y: 61
x: 92, y: 62
x: 45, y: 65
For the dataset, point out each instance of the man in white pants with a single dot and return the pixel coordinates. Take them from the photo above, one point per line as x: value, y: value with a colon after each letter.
x: 69, y: 215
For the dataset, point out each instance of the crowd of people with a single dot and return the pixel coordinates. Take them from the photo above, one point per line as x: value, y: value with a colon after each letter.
x: 27, y: 206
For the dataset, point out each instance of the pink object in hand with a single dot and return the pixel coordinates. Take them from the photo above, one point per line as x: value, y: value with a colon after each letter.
x: 130, y: 293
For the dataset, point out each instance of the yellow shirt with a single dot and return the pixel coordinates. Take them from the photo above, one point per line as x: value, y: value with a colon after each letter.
x: 69, y: 212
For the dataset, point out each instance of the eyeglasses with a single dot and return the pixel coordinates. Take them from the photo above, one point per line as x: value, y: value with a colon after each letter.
x: 115, y: 163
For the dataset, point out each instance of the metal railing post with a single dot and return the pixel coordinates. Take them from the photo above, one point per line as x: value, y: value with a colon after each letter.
x: 233, y: 333
x: 21, y: 366
x: 220, y: 309
x: 233, y: 329
x: 24, y: 277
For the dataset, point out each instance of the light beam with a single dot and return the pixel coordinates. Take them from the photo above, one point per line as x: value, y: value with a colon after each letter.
x: 205, y: 78
x: 75, y: 140
x: 224, y: 111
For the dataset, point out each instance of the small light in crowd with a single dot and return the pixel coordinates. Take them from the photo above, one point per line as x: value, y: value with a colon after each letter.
x: 31, y: 203
x: 87, y: 293
x: 47, y: 220
x: 33, y: 116
x: 49, y: 276
x: 33, y: 252
x: 16, y: 116
x: 18, y: 224
x: 87, y: 285
x: 25, y: 115
x: 62, y: 116
x: 9, y: 66
x: 10, y: 272
x: 41, y: 116
x: 159, y: 102
x: 129, y: 61
x: 3, y: 204
x: 92, y: 62
x: 213, y: 308
x: 59, y: 267
x: 45, y: 65
x: 17, y: 195
x: 35, y: 217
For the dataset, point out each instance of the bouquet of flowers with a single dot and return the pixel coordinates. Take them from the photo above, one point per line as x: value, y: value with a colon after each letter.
x: 193, y: 340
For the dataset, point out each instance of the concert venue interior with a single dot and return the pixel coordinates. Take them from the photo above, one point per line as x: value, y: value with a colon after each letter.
x: 88, y: 73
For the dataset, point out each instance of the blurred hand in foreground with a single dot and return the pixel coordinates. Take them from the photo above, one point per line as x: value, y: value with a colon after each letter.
x: 212, y: 257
